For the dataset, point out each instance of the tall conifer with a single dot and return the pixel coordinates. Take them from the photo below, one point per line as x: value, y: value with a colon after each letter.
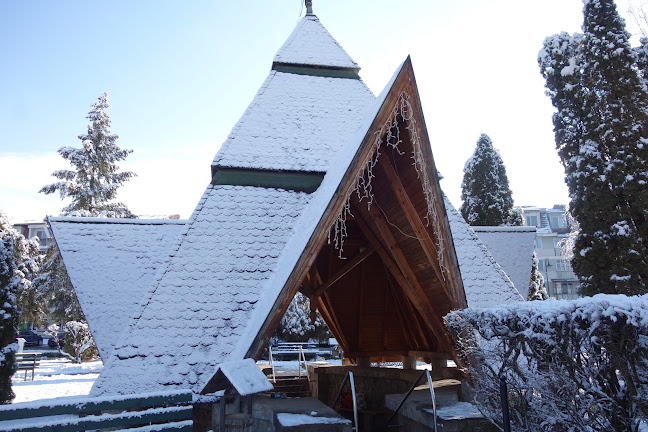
x: 487, y: 198
x: 601, y: 136
x: 94, y: 181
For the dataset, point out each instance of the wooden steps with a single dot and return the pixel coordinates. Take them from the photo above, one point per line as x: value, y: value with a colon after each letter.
x: 290, y: 387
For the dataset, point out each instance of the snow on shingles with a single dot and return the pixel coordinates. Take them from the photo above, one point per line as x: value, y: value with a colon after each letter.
x: 245, y: 376
x: 485, y: 283
x: 311, y: 44
x: 296, y: 123
x: 205, y: 298
x: 512, y: 248
x: 111, y: 263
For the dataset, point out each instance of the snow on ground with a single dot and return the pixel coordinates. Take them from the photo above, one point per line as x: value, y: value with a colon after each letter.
x: 56, y: 378
x: 288, y: 419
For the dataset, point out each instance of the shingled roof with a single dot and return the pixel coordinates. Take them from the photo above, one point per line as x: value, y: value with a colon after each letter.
x: 220, y: 281
x: 512, y: 248
x: 248, y: 247
x: 485, y: 282
x: 111, y: 264
x: 311, y: 44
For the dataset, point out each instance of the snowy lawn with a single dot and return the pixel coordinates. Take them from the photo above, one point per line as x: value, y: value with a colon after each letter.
x: 55, y: 378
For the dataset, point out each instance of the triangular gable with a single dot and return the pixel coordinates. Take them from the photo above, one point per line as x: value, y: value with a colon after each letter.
x: 512, y: 248
x: 485, y: 282
x: 111, y: 264
x: 243, y: 375
x: 330, y: 200
x: 311, y: 44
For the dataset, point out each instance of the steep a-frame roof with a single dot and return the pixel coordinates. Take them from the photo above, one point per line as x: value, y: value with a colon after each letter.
x: 111, y: 264
x: 249, y: 245
x: 220, y: 280
x: 311, y: 44
x: 512, y: 248
x: 311, y: 101
x: 485, y: 282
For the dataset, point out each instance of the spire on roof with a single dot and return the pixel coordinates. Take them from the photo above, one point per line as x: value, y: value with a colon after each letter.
x: 309, y: 7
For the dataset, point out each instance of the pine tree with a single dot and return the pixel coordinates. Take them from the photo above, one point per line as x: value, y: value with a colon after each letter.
x: 95, y: 180
x: 297, y: 325
x: 17, y: 265
x: 53, y: 287
x: 92, y: 185
x: 601, y: 136
x: 487, y: 198
x: 537, y: 289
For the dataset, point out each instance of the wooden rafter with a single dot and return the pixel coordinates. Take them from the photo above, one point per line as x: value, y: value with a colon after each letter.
x: 344, y: 270
x: 417, y: 225
x: 396, y: 263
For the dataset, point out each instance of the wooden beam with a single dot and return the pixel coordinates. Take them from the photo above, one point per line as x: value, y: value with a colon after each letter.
x: 417, y: 225
x: 344, y: 270
x: 405, y: 310
x: 326, y: 309
x: 396, y: 263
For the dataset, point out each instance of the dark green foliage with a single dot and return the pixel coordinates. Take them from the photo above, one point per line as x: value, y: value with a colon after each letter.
x: 485, y: 192
x: 602, y: 139
x: 53, y: 288
x: 8, y: 310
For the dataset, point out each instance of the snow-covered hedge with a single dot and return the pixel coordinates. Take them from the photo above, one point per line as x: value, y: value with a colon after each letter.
x: 579, y: 365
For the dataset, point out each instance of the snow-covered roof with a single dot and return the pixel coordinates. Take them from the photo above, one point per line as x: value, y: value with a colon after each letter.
x: 485, y: 283
x: 111, y: 264
x: 512, y: 248
x: 239, y: 248
x: 295, y: 123
x: 194, y: 317
x: 244, y: 375
x: 311, y: 44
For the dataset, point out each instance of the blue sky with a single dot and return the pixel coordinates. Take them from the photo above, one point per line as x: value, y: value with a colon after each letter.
x: 180, y: 74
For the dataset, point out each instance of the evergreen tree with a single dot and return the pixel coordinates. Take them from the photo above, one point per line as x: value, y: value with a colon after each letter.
x: 297, y: 324
x: 95, y: 180
x: 53, y: 288
x: 92, y: 185
x: 537, y: 289
x: 17, y: 265
x: 601, y: 136
x: 487, y: 198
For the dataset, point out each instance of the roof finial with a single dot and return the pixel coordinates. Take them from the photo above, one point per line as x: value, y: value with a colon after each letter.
x: 309, y: 7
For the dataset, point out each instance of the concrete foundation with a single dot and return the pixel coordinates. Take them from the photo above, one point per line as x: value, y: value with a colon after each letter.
x: 265, y: 410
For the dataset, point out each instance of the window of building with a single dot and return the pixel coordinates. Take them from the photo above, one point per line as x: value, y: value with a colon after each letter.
x: 541, y: 265
x: 532, y: 220
x: 558, y: 287
x: 556, y: 242
x: 562, y: 265
x: 557, y: 221
x: 538, y: 243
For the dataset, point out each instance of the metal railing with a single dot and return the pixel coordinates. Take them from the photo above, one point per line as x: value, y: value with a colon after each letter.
x: 429, y: 380
x: 301, y: 359
x: 349, y: 378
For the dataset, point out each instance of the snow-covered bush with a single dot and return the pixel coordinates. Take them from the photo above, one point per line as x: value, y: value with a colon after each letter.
x: 79, y: 344
x: 18, y: 262
x: 579, y: 365
x: 297, y: 326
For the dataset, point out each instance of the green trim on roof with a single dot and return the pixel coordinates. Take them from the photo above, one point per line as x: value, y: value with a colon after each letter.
x: 315, y: 71
x: 291, y: 180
